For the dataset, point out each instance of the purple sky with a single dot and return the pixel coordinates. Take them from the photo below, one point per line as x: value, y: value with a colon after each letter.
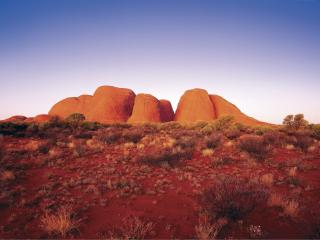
x: 263, y: 56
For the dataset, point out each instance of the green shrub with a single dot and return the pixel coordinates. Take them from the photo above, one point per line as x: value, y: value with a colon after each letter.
x: 75, y: 118
x: 14, y: 129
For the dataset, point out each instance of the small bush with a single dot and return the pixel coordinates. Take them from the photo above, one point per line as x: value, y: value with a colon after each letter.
x: 170, y: 156
x: 232, y: 198
x: 213, y: 141
x: 254, y: 145
x: 134, y: 135
x: 303, y: 140
x: 274, y: 138
x: 13, y: 129
x: 315, y: 131
x: 295, y: 122
x: 76, y: 118
x: 223, y: 123
x: 109, y: 135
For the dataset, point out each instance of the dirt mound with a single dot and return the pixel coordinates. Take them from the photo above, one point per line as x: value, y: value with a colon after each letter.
x: 110, y: 104
x: 146, y: 109
x: 166, y: 111
x: 195, y: 105
x: 224, y: 108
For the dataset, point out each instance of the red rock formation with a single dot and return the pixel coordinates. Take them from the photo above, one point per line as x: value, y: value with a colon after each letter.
x: 224, y: 108
x: 66, y: 107
x: 195, y: 105
x: 146, y: 109
x: 17, y: 118
x: 110, y: 104
x: 39, y: 118
x: 166, y: 111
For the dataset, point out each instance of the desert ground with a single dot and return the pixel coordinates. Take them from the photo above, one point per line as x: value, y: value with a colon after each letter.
x: 206, y: 180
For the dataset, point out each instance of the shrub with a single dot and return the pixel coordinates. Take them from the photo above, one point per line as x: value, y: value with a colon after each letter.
x: 158, y: 157
x: 14, y: 129
x: 109, y: 135
x: 260, y: 130
x: 315, y: 131
x: 91, y: 125
x: 60, y: 223
x: 303, y: 140
x: 254, y: 145
x: 275, y: 138
x: 295, y: 122
x: 224, y: 123
x: 232, y: 198
x: 75, y: 117
x: 213, y: 141
x: 133, y: 135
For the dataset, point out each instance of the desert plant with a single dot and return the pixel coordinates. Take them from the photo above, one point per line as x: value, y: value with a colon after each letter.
x: 315, y: 128
x: 274, y: 137
x: 303, y: 140
x: 254, y: 145
x: 170, y: 156
x: 295, y: 122
x: 232, y: 198
x: 213, y: 140
x: 224, y: 123
x: 132, y: 227
x: 206, y: 229
x: 60, y: 223
x: 7, y: 176
x: 109, y: 135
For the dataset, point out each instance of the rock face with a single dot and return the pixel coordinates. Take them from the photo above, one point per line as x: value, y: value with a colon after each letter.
x: 17, y: 118
x: 66, y: 107
x: 195, y: 105
x: 110, y: 104
x: 224, y: 108
x: 41, y: 118
x: 146, y: 109
x: 166, y: 111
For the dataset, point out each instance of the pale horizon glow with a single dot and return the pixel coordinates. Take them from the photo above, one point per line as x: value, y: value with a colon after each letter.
x: 262, y: 56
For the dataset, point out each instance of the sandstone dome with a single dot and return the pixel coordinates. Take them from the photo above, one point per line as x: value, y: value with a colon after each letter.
x: 195, y: 105
x: 146, y: 109
x: 166, y: 111
x: 66, y: 107
x: 223, y: 107
x: 110, y: 104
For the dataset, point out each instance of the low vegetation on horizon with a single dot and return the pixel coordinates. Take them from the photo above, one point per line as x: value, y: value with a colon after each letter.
x: 220, y: 179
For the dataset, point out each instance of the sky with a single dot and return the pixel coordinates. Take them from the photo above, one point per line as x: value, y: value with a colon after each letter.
x: 262, y: 55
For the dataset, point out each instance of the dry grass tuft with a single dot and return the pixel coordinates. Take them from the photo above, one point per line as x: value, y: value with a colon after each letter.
x: 132, y: 228
x: 291, y: 208
x: 206, y: 230
x: 7, y: 176
x: 60, y: 223
x: 267, y: 179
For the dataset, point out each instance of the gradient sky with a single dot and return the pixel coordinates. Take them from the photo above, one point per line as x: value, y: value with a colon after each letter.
x: 263, y: 55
